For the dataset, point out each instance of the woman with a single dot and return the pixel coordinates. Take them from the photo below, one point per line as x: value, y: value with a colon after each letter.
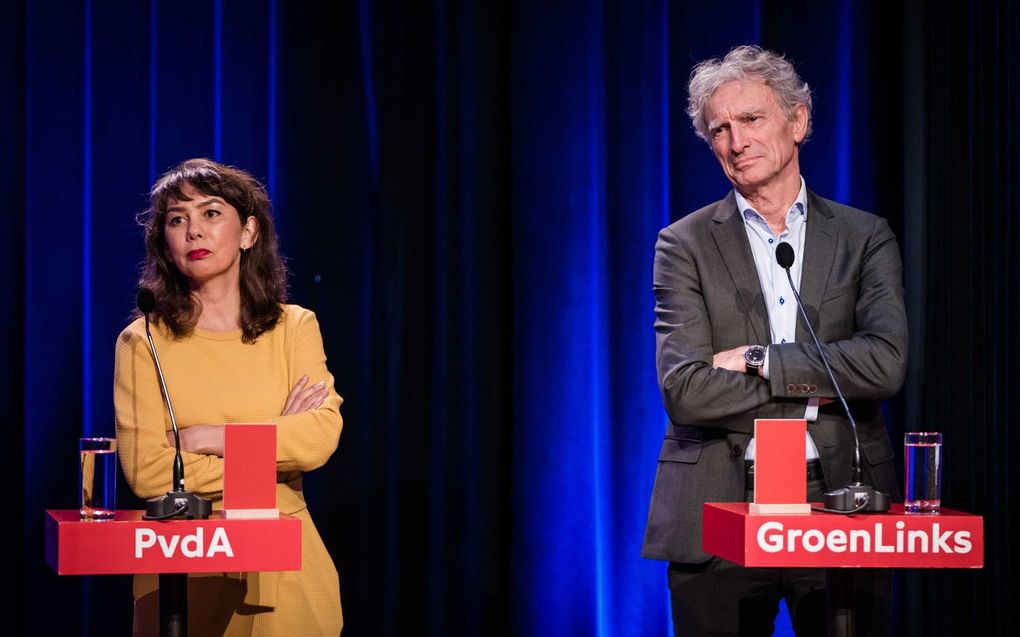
x: 231, y: 351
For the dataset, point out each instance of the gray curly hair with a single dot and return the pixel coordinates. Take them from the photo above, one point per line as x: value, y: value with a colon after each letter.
x: 742, y: 63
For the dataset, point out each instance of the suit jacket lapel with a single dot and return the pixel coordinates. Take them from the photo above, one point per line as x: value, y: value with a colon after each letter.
x: 731, y: 240
x: 819, y: 255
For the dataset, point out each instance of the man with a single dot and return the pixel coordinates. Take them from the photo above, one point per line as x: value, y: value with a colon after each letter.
x: 730, y: 347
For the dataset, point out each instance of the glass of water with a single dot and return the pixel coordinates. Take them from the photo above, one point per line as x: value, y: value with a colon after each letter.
x: 922, y: 454
x: 97, y: 474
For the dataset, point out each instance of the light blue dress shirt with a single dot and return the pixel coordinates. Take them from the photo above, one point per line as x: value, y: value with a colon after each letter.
x: 775, y: 287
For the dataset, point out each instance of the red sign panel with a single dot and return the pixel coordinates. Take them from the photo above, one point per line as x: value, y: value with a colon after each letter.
x: 249, y: 468
x: 780, y: 465
x: 128, y: 544
x: 881, y: 540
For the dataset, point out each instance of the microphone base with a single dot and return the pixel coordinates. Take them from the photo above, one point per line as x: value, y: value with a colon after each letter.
x: 166, y: 507
x: 850, y: 497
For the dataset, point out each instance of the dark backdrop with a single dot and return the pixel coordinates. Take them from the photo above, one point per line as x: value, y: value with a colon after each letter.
x: 468, y: 193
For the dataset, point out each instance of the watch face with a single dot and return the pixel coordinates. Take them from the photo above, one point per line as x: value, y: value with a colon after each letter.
x: 755, y: 355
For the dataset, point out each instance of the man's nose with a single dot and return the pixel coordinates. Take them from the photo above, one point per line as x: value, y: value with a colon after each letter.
x: 738, y: 141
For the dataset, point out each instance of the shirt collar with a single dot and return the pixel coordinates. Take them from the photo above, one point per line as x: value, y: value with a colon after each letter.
x: 799, y: 206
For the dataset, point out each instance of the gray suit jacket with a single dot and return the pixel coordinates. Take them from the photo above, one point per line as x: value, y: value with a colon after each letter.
x: 708, y: 299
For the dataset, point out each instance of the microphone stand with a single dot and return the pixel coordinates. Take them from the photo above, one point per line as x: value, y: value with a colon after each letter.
x: 856, y: 497
x: 178, y: 502
x: 173, y: 587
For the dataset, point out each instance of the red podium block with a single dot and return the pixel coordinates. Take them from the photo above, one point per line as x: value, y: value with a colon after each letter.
x: 128, y: 544
x: 952, y: 539
x: 249, y: 471
x: 780, y: 486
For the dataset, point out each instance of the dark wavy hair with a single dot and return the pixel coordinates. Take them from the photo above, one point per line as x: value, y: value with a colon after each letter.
x: 263, y: 273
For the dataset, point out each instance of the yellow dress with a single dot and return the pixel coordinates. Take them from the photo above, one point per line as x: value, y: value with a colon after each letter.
x: 214, y: 378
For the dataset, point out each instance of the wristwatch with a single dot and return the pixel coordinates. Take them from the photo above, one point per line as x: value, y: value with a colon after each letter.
x: 754, y: 358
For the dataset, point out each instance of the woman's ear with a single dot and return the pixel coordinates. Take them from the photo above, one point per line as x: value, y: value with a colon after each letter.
x: 250, y: 232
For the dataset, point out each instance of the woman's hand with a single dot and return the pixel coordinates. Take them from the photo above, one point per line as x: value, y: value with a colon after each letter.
x: 304, y: 397
x: 208, y: 439
x: 204, y: 439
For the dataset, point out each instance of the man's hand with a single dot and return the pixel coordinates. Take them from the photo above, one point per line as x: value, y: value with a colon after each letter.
x: 731, y: 359
x: 303, y: 397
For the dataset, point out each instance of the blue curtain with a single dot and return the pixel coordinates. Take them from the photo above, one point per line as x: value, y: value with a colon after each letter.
x: 468, y: 194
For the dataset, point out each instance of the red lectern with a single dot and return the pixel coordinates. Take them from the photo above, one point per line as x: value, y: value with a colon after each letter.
x: 840, y: 543
x: 128, y: 544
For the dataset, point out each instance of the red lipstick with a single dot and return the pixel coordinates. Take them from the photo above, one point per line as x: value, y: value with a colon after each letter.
x: 196, y: 255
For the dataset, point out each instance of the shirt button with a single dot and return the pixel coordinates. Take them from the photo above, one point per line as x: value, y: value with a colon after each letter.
x: 771, y: 241
x: 783, y: 341
x: 782, y: 301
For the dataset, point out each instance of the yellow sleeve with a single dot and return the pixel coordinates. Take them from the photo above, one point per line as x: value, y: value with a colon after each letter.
x: 306, y: 441
x: 146, y: 456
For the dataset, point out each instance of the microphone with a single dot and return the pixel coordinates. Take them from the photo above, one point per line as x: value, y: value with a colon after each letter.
x: 177, y: 502
x: 784, y: 257
x: 856, y: 496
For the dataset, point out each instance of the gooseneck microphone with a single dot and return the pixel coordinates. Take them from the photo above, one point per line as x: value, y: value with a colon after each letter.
x: 856, y: 496
x: 146, y: 302
x: 177, y: 502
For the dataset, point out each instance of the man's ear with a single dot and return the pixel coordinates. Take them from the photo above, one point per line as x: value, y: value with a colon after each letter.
x: 800, y: 122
